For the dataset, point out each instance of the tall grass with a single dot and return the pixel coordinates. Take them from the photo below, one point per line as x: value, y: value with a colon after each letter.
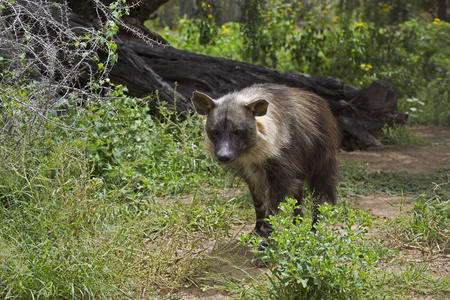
x: 83, y: 216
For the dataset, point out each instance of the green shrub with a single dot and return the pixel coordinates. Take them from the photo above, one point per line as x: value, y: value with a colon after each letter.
x: 334, y: 263
x: 127, y: 145
x: 321, y: 40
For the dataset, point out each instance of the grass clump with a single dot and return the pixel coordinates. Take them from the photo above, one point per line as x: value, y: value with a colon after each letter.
x: 430, y: 224
x: 426, y: 226
x: 81, y: 213
x: 74, y: 236
x: 358, y: 179
x: 423, y: 234
x: 402, y: 136
x: 57, y: 243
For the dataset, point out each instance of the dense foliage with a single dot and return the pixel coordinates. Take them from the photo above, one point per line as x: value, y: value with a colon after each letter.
x: 353, y: 42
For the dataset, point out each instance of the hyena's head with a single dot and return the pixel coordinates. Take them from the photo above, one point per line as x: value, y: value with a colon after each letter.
x: 230, y: 123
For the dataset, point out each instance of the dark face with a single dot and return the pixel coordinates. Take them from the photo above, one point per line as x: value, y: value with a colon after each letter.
x: 231, y: 129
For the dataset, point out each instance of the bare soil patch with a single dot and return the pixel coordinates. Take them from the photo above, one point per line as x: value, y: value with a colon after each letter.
x: 383, y: 206
x: 425, y: 159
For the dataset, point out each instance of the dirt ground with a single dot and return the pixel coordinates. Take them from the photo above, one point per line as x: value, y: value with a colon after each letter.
x: 425, y: 159
x: 409, y: 159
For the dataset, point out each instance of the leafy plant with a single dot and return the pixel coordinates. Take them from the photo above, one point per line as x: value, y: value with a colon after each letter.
x: 154, y: 154
x: 335, y: 262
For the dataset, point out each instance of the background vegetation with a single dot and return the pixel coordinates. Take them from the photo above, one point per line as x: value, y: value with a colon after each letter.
x: 104, y: 197
x: 397, y: 41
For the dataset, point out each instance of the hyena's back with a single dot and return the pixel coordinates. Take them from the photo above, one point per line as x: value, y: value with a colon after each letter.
x: 298, y: 138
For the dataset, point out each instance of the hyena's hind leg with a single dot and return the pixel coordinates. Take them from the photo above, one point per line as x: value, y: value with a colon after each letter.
x: 298, y: 210
x: 323, y: 187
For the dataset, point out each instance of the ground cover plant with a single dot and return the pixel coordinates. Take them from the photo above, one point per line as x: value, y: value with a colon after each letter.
x: 335, y: 263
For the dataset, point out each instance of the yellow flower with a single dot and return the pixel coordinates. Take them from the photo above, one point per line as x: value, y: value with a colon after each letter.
x: 335, y: 19
x: 446, y: 23
x: 225, y: 29
x: 203, y: 4
x: 362, y: 24
x: 387, y: 8
x: 210, y: 16
x: 325, y: 12
x: 292, y: 27
x: 366, y: 67
x: 436, y: 21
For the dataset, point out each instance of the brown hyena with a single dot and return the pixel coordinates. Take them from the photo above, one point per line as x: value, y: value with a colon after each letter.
x: 276, y: 138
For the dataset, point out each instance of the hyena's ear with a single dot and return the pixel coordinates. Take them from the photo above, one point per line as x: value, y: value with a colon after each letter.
x: 258, y: 107
x: 202, y: 103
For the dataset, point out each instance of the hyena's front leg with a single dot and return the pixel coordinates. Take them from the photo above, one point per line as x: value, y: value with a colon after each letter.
x: 262, y: 227
x: 258, y: 189
x: 276, y: 194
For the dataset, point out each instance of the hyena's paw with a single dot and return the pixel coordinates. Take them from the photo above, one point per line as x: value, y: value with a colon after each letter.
x: 262, y: 229
x: 259, y: 263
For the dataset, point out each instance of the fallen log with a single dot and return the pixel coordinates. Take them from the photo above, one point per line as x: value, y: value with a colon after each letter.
x: 144, y: 68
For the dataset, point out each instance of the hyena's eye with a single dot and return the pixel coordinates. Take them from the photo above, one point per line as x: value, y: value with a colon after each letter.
x: 214, y: 133
x: 238, y: 132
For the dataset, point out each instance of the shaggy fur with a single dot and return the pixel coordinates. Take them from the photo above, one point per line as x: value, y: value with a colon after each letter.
x: 275, y: 138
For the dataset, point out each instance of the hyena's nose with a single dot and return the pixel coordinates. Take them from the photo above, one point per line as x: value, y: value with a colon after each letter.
x: 224, y: 155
